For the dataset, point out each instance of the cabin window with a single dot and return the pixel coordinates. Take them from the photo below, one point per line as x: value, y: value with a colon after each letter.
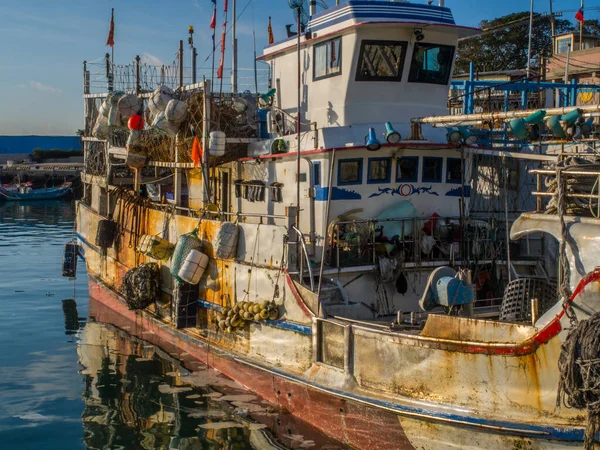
x: 432, y: 170
x: 381, y: 61
x: 327, y: 59
x: 407, y: 168
x: 350, y: 171
x: 317, y: 174
x: 454, y: 170
x: 431, y: 63
x: 380, y: 170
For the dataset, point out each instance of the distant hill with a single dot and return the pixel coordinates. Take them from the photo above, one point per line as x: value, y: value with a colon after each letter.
x: 26, y: 144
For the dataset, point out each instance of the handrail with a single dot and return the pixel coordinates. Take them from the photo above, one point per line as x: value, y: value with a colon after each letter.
x: 305, y: 253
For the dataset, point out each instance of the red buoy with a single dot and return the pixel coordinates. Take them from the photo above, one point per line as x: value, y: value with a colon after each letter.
x: 136, y: 122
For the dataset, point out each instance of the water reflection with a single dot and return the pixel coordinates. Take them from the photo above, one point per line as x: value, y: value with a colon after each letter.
x: 138, y: 396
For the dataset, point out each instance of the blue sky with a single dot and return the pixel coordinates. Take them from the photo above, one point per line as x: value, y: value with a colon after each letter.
x: 43, y: 44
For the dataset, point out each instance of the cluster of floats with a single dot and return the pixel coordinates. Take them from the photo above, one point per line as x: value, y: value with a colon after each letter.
x: 318, y: 245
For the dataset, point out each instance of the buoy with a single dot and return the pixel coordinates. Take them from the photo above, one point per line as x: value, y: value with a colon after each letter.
x: 69, y: 268
x: 129, y: 104
x: 217, y: 143
x: 155, y: 247
x: 136, y: 122
x: 176, y: 111
x: 193, y: 267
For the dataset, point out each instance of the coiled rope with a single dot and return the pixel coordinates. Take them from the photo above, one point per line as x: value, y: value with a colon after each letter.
x: 579, y: 367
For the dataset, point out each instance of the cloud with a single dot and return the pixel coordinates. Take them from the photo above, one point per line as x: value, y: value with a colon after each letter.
x: 44, y: 87
x: 152, y: 60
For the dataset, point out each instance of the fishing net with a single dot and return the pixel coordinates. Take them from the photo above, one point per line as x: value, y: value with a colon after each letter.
x: 141, y: 286
x: 106, y: 233
x: 185, y: 244
x: 579, y: 367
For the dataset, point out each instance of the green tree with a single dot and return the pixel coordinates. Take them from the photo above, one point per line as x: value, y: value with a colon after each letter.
x: 503, y: 43
x: 592, y: 27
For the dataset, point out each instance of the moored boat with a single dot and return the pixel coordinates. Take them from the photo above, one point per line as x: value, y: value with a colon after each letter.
x: 302, y: 246
x: 26, y: 192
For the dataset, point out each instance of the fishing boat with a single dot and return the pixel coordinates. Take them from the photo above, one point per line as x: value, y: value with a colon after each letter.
x: 317, y: 244
x: 24, y: 192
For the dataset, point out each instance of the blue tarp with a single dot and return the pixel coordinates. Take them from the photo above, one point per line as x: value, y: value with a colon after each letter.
x: 26, y: 144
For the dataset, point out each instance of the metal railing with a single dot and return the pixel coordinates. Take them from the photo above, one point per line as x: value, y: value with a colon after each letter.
x: 415, y: 240
x: 302, y: 259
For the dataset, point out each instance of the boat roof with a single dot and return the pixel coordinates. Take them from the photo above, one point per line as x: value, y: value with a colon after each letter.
x: 361, y: 12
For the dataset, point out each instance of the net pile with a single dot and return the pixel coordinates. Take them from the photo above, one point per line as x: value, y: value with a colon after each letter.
x: 141, y: 286
x: 575, y: 184
x: 579, y: 367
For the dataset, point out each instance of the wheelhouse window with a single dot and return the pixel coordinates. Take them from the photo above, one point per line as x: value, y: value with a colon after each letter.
x: 327, y: 59
x: 381, y: 61
x: 454, y: 170
x: 380, y: 170
x: 407, y: 168
x: 431, y: 63
x: 432, y: 169
x: 350, y: 171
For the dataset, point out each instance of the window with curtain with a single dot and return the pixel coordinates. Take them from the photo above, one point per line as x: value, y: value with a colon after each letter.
x: 327, y: 59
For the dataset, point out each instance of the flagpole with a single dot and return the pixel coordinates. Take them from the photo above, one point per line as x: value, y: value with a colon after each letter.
x: 581, y: 30
x: 112, y: 47
x: 529, y: 45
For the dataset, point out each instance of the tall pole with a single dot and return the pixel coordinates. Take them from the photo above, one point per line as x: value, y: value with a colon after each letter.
x: 552, y: 27
x: 180, y: 57
x: 529, y: 44
x: 299, y: 13
x: 234, y: 75
x: 581, y: 30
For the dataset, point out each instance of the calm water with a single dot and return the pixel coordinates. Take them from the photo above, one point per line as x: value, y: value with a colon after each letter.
x: 69, y: 382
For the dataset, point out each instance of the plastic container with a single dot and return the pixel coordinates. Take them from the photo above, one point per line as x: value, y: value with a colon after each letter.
x: 217, y: 141
x: 261, y: 114
x: 193, y: 267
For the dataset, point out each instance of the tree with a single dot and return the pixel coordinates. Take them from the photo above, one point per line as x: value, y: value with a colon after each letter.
x: 592, y: 27
x: 504, y: 41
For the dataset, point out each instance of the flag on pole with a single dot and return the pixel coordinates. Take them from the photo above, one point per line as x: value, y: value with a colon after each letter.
x: 213, y: 21
x: 196, y: 152
x: 579, y: 15
x: 271, y: 38
x: 110, y: 41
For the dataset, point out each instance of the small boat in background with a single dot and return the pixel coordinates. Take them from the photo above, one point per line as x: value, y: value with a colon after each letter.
x: 24, y: 192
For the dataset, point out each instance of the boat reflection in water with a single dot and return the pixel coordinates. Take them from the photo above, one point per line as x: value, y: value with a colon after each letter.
x: 139, y: 396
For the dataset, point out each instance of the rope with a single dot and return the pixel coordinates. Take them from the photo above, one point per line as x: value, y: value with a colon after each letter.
x: 579, y: 367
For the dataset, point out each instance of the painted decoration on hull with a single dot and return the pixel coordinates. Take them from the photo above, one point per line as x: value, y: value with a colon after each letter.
x: 405, y: 190
x: 337, y: 193
x: 456, y: 192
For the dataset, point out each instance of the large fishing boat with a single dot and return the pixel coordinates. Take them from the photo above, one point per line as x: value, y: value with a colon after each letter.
x: 318, y: 243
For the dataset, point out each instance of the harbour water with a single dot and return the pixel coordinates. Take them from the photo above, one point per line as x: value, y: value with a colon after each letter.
x: 69, y: 381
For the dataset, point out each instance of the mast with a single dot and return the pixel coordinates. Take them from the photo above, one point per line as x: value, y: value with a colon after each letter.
x: 234, y: 74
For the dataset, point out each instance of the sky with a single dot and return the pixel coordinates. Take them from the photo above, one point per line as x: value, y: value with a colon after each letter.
x: 43, y: 44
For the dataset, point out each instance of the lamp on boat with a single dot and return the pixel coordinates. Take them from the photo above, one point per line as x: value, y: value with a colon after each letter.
x: 521, y: 128
x: 372, y: 143
x: 391, y: 135
x: 457, y: 134
x: 558, y: 125
x: 419, y: 36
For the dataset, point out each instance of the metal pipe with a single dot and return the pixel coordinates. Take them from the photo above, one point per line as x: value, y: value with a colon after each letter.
x: 298, y: 122
x: 138, y: 85
x: 490, y: 116
x: 205, y: 131
x: 180, y: 61
x: 327, y: 209
x: 566, y: 79
x: 534, y: 311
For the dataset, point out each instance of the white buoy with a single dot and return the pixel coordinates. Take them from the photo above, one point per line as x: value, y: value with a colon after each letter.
x: 101, y: 129
x: 176, y: 111
x: 129, y: 105
x: 217, y: 141
x: 160, y: 98
x: 193, y: 267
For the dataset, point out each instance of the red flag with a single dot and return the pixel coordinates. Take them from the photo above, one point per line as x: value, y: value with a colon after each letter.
x: 225, y: 8
x: 270, y: 29
x: 220, y: 69
x: 110, y: 41
x: 579, y: 15
x: 196, y: 152
x: 333, y: 57
x: 213, y: 21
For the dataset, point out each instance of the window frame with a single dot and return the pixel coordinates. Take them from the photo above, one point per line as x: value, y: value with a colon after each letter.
x: 360, y: 172
x: 388, y: 178
x: 339, y: 58
x: 317, y: 171
x: 360, y: 77
x: 398, y: 171
x: 459, y: 160
x: 429, y: 180
x: 431, y: 45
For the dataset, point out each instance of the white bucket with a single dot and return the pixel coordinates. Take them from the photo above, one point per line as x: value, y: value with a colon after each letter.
x: 193, y: 267
x: 217, y: 143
